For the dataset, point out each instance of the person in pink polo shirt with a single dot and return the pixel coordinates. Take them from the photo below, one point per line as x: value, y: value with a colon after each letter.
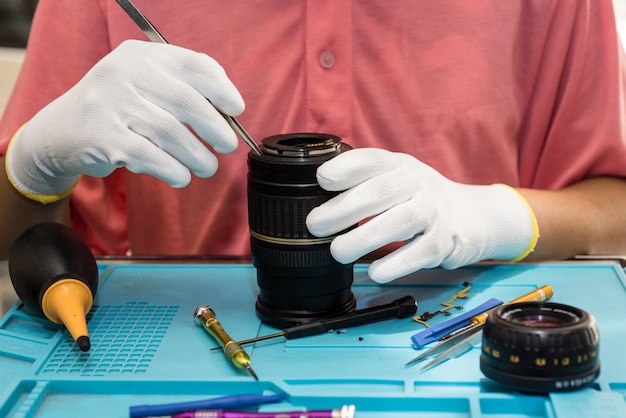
x: 481, y: 130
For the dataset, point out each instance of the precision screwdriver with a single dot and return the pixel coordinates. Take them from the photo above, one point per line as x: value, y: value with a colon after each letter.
x: 399, y: 308
x: 542, y: 293
x: 205, y: 317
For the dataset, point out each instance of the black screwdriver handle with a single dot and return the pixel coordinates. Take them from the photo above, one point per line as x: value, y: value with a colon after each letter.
x: 399, y: 308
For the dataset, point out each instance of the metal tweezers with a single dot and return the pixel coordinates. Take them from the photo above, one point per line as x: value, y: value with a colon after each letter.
x: 451, y: 347
x: 155, y: 36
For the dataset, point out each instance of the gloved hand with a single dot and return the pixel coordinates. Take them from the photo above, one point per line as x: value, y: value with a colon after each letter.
x: 446, y: 224
x: 130, y: 110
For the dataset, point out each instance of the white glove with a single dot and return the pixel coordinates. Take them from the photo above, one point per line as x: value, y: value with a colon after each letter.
x: 447, y: 224
x: 136, y: 108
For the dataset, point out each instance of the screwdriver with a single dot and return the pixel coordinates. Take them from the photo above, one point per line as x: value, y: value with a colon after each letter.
x: 399, y: 308
x: 543, y: 293
x: 205, y: 317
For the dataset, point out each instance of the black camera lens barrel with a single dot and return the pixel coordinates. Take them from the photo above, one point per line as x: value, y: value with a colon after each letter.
x: 298, y: 278
x: 540, y: 347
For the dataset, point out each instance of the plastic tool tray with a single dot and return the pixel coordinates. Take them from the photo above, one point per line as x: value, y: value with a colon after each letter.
x: 146, y: 348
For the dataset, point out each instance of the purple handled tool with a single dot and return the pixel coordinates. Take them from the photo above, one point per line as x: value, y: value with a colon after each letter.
x: 346, y: 411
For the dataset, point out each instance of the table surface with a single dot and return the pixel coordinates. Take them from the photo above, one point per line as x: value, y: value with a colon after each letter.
x: 146, y: 348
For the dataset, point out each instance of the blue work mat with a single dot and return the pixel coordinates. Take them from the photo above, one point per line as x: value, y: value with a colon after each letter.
x: 146, y: 348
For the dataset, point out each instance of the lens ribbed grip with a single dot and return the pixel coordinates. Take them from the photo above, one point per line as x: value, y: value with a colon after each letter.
x: 280, y: 216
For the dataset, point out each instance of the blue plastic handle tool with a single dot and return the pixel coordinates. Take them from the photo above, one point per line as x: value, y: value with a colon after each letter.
x: 435, y: 332
x: 223, y: 402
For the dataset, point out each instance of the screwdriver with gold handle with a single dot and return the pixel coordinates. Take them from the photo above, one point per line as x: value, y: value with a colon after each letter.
x: 205, y: 317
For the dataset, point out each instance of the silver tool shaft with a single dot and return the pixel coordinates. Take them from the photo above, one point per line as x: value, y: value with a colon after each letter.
x: 155, y: 36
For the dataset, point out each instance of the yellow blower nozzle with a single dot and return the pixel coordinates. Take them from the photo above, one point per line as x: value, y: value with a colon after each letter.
x: 67, y: 302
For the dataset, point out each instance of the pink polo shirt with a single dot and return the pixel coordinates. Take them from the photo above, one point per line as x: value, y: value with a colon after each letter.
x: 528, y: 93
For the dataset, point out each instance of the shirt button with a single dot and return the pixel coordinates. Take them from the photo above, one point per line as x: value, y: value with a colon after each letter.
x: 327, y: 59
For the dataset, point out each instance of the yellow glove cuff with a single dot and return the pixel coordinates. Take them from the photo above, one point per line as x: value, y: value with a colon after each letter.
x: 535, y: 226
x: 41, y: 198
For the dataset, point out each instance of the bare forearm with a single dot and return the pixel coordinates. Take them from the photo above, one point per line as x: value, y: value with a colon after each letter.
x: 18, y: 213
x: 585, y: 218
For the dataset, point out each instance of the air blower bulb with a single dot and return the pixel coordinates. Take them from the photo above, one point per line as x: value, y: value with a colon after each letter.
x: 55, y: 275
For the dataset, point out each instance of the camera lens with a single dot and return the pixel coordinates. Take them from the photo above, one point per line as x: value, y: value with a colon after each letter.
x: 540, y: 347
x: 298, y: 278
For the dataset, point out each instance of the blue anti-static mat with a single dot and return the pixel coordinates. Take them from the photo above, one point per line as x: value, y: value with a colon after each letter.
x: 146, y: 348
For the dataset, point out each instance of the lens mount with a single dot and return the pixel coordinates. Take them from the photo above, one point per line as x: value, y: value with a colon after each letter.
x: 302, y: 145
x: 540, y: 347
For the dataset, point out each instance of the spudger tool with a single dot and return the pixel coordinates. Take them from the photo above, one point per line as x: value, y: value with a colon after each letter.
x: 438, y: 331
x: 399, y: 308
x: 464, y: 339
x: 155, y: 36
